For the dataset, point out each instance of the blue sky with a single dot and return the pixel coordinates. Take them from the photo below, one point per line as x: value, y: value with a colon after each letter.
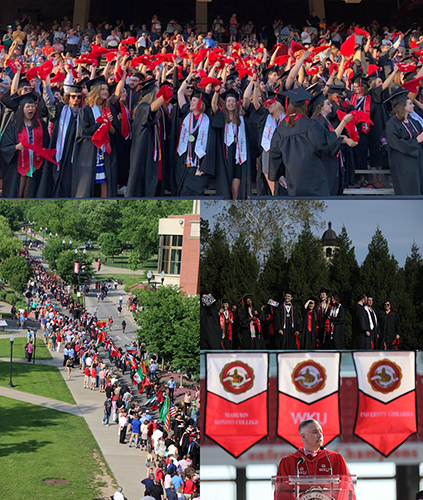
x: 401, y: 221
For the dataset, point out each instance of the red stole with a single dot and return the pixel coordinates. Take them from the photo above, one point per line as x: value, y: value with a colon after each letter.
x: 125, y: 127
x: 365, y: 127
x: 23, y: 157
x: 228, y: 323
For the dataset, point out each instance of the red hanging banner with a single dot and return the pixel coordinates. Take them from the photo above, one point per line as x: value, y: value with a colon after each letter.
x: 237, y: 400
x: 308, y: 388
x: 387, y: 411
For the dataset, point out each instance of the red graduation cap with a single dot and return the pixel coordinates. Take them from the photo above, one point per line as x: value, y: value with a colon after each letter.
x: 348, y: 47
x: 413, y: 85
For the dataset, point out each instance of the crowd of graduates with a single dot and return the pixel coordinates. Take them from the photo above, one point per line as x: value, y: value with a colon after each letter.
x: 319, y: 324
x: 179, y: 114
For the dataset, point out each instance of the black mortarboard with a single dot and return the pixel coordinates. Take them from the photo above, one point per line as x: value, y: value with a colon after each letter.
x: 336, y: 89
x: 336, y: 295
x: 139, y: 75
x: 267, y: 72
x: 74, y: 88
x: 324, y: 290
x: 83, y: 81
x: 230, y: 93
x: 147, y: 86
x: 247, y: 296
x: 315, y: 89
x: 360, y: 296
x: 99, y: 80
x: 224, y: 301
x: 289, y: 291
x: 361, y: 80
x: 203, y: 96
x: 279, y: 97
x: 397, y: 97
x: 419, y: 495
x: 23, y: 82
x: 317, y: 99
x: 410, y: 75
x: 298, y: 96
x: 29, y: 98
x: 313, y: 299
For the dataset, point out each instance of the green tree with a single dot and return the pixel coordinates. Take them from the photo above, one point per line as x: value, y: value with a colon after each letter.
x: 169, y: 325
x: 16, y: 271
x: 140, y: 220
x: 413, y: 275
x: 54, y: 248
x: 344, y: 275
x: 65, y: 266
x: 243, y: 270
x: 134, y: 260
x: 259, y: 222
x: 215, y: 264
x: 307, y: 267
x: 110, y: 244
x: 12, y: 211
x: 381, y: 276
x: 273, y: 273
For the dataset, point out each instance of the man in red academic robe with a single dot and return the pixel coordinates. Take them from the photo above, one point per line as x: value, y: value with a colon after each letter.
x: 311, y: 460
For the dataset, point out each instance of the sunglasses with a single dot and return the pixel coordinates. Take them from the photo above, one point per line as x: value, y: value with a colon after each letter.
x: 75, y: 96
x: 189, y: 87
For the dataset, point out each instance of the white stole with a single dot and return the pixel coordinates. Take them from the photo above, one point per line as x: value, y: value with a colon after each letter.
x: 200, y: 142
x: 241, y: 145
x: 269, y: 129
x: 64, y: 120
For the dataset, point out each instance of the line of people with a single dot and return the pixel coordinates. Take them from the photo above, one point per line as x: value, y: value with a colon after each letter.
x: 320, y: 324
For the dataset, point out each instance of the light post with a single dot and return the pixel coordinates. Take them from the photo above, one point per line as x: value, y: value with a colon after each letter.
x: 10, y: 384
x: 33, y: 350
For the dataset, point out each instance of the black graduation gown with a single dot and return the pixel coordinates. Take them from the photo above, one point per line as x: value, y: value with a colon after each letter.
x: 405, y: 156
x: 379, y: 116
x: 254, y: 150
x: 289, y: 325
x: 375, y: 332
x: 267, y: 320
x: 85, y: 158
x: 143, y: 180
x: 209, y: 328
x: 226, y: 167
x: 248, y: 342
x: 360, y: 325
x: 123, y: 148
x: 296, y: 153
x: 57, y: 183
x: 227, y: 343
x: 187, y: 183
x: 308, y: 337
x: 389, y: 328
x: 258, y: 119
x: 133, y: 96
x: 11, y: 177
x: 331, y: 157
x: 337, y: 330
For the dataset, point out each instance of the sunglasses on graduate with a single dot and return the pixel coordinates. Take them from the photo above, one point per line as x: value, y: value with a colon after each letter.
x: 75, y: 96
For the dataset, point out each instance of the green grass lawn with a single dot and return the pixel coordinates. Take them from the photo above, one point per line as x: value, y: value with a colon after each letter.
x: 121, y: 261
x: 40, y: 380
x: 41, y: 351
x: 37, y: 443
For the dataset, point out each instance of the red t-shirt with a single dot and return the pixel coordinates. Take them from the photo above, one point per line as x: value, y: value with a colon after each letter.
x: 188, y: 487
x: 93, y: 372
x: 87, y: 371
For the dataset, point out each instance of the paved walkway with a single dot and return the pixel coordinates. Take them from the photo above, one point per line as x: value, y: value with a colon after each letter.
x: 127, y: 464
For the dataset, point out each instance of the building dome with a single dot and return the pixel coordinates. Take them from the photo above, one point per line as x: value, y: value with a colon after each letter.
x: 329, y: 238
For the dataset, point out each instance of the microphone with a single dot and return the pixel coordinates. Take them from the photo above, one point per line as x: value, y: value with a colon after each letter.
x: 330, y: 465
x: 300, y: 461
